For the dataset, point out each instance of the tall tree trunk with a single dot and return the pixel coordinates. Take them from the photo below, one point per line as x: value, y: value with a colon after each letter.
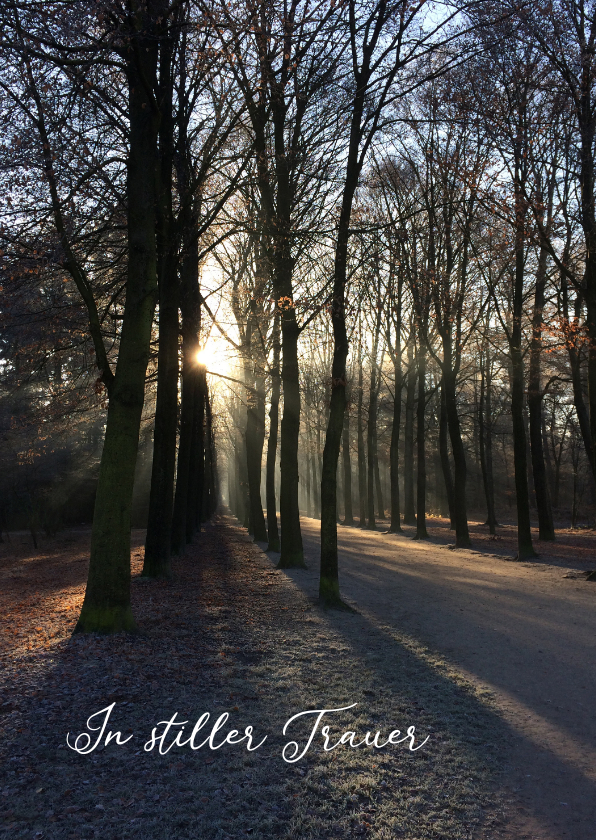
x: 371, y: 437
x: 524, y: 533
x: 272, y: 530
x: 196, y: 476
x: 485, y: 439
x: 362, y: 504
x: 241, y: 472
x: 209, y: 486
x: 255, y: 430
x: 190, y: 307
x: 557, y: 455
x: 581, y: 409
x: 409, y: 506
x: 106, y: 606
x: 348, y: 511
x: 585, y: 114
x: 373, y: 401
x: 364, y: 69
x: 547, y: 456
x: 316, y: 484
x: 329, y: 578
x: 340, y: 488
x: 440, y: 494
x: 277, y: 189
x: 230, y: 482
x: 546, y: 528
x: 292, y: 554
x: 444, y: 455
x: 421, y: 532
x: 396, y: 354
x: 462, y: 535
x: 395, y: 525
x: 309, y: 475
x: 255, y: 439
x: 319, y: 466
x: 161, y: 499
x: 378, y: 485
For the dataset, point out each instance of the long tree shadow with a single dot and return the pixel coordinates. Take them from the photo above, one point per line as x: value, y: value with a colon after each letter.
x: 533, y: 626
x: 233, y: 635
x: 554, y: 776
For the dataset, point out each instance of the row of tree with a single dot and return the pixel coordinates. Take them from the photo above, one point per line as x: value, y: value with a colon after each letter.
x: 364, y: 472
x: 435, y: 170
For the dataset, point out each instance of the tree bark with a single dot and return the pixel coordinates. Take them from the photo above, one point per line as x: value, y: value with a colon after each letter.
x: 255, y: 429
x: 371, y: 436
x: 316, y: 483
x: 241, y: 471
x: 583, y: 416
x: 196, y: 477
x: 190, y: 307
x: 329, y: 578
x: 395, y: 524
x: 587, y: 127
x: 485, y: 440
x: 546, y: 528
x: 319, y: 466
x: 378, y: 485
x: 309, y: 476
x: 161, y: 500
x: 292, y: 553
x: 421, y: 532
x: 209, y: 484
x: 396, y: 355
x: 444, y: 456
x: 524, y: 533
x: 272, y: 529
x: 106, y: 606
x: 348, y: 511
x: 255, y: 439
x: 362, y: 503
x: 462, y: 535
x: 409, y: 506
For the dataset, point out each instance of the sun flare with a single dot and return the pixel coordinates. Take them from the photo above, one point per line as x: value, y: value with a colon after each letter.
x: 214, y: 355
x: 203, y: 357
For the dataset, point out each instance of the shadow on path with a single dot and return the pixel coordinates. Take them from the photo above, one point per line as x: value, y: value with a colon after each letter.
x: 522, y: 633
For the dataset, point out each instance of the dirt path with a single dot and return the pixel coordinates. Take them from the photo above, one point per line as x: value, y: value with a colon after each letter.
x: 526, y: 632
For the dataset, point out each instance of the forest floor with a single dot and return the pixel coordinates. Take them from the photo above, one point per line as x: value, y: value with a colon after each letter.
x: 232, y: 634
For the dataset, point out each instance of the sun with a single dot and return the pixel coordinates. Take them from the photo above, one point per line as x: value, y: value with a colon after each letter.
x: 203, y: 357
x: 214, y: 356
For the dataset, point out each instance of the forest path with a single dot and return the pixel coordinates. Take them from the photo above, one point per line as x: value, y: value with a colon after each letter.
x: 523, y: 631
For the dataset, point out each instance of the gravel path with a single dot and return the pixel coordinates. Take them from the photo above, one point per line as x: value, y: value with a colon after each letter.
x: 525, y: 632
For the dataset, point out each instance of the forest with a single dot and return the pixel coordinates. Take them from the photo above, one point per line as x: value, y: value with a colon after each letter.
x: 297, y: 419
x: 335, y: 258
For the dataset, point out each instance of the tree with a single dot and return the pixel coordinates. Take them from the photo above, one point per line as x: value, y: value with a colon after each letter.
x: 380, y: 49
x: 283, y: 61
x: 127, y: 41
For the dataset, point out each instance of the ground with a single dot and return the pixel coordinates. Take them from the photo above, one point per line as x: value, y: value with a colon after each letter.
x: 523, y: 633
x: 488, y: 659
